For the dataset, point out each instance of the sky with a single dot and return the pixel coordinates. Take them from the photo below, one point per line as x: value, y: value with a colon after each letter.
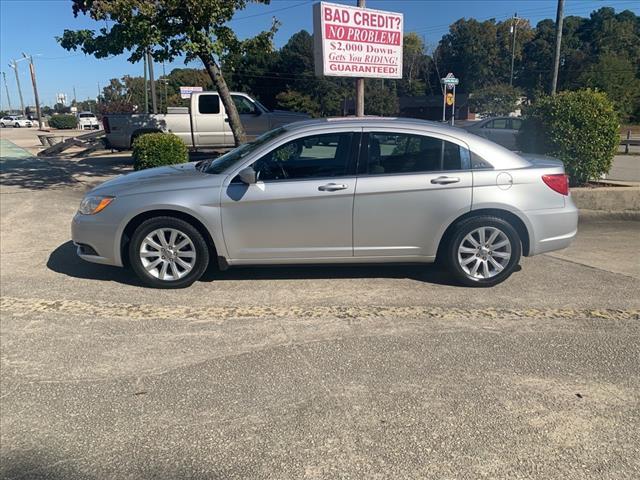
x: 30, y: 26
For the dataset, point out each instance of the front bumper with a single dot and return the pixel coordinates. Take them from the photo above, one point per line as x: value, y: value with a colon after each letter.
x: 552, y: 229
x: 95, y: 239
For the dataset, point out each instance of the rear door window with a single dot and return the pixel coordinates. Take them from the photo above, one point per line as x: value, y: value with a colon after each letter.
x: 209, y: 104
x: 516, y: 123
x: 407, y: 153
x: 499, y: 123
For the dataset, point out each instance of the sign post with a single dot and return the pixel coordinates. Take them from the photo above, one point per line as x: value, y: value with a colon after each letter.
x: 357, y: 42
x: 449, y: 85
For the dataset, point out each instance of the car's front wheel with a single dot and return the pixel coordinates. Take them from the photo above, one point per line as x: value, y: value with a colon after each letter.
x: 483, y: 251
x: 16, y: 125
x: 166, y: 252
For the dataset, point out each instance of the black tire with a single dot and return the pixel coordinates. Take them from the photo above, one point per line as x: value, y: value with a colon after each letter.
x: 201, y: 261
x: 469, y: 225
x: 17, y: 125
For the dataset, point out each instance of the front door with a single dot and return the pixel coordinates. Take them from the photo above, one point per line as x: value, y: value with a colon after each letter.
x: 410, y: 187
x: 253, y: 119
x: 301, y: 206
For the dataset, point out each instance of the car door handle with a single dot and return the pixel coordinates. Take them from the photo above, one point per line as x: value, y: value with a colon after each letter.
x: 332, y: 187
x: 445, y: 180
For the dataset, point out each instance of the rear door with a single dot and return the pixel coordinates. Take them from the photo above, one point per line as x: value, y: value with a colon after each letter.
x: 410, y: 187
x: 301, y: 206
x: 208, y: 120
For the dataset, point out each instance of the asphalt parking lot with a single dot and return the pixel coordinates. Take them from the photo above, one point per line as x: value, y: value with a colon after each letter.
x: 308, y: 372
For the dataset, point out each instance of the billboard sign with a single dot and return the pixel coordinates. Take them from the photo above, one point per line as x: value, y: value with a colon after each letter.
x: 357, y: 42
x: 185, y: 92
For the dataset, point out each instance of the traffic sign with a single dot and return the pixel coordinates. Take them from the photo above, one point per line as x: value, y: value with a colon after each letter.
x: 449, y: 99
x: 450, y: 80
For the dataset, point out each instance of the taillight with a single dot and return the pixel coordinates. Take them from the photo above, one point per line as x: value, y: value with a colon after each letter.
x: 557, y: 182
x: 105, y: 124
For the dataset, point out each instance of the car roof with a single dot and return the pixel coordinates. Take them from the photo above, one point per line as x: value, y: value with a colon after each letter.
x: 495, y: 154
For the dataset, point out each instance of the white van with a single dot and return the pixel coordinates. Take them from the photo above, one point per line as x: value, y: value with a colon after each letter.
x: 88, y: 121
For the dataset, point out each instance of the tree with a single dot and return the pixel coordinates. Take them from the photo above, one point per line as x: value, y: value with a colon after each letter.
x: 494, y: 100
x: 297, y: 102
x: 415, y: 66
x: 616, y: 77
x: 168, y: 29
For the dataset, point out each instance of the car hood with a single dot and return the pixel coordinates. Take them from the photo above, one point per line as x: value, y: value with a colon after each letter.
x: 172, y: 177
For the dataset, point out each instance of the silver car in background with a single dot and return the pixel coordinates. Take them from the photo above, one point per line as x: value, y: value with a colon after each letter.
x: 351, y: 190
x: 501, y: 130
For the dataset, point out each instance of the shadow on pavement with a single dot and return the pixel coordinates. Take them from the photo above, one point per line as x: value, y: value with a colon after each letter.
x: 40, y: 173
x: 64, y: 260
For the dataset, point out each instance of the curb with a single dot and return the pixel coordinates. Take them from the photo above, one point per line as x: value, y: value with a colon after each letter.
x: 587, y: 215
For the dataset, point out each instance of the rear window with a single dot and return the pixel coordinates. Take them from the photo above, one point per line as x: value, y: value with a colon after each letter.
x: 87, y: 115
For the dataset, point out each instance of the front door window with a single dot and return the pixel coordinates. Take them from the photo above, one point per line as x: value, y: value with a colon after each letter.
x: 318, y: 156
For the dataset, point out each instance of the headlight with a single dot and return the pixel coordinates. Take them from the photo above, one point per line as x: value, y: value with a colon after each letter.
x: 93, y: 204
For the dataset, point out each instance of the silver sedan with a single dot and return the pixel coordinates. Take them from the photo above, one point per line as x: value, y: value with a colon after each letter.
x: 352, y: 190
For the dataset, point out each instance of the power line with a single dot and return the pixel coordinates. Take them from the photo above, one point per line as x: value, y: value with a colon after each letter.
x: 271, y: 12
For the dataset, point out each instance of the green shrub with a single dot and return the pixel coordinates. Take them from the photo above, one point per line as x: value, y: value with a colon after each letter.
x: 63, y: 122
x: 580, y: 128
x: 157, y: 149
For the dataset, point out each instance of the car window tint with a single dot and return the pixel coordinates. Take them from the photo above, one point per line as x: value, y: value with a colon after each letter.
x: 477, y: 162
x: 516, y: 124
x: 244, y: 105
x: 208, y: 104
x: 308, y: 157
x: 500, y: 123
x: 403, y: 153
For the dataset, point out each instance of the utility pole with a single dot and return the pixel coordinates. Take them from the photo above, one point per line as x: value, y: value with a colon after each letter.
x: 514, y: 30
x: 6, y: 87
x: 32, y: 70
x: 164, y: 80
x: 360, y: 83
x: 146, y: 87
x: 556, y: 59
x: 75, y: 100
x: 154, y: 104
x: 13, y: 64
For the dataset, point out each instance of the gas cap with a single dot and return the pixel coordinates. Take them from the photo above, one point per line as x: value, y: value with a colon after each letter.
x: 504, y: 181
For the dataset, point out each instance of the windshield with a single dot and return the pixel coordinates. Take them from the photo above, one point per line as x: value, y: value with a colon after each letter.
x: 261, y: 105
x: 222, y: 163
x: 87, y: 115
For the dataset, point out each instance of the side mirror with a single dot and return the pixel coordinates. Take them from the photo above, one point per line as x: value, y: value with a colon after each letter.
x: 247, y: 175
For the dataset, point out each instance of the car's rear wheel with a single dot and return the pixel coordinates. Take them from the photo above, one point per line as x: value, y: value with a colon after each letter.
x: 483, y: 251
x: 166, y: 252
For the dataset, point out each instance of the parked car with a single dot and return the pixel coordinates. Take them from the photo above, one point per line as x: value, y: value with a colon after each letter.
x: 88, y: 121
x: 502, y: 130
x: 15, y: 121
x: 203, y: 124
x: 353, y: 190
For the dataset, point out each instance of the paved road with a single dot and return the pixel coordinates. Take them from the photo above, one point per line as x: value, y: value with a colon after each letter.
x: 345, y: 372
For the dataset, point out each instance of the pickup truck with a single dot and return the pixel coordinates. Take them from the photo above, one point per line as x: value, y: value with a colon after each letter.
x: 203, y: 124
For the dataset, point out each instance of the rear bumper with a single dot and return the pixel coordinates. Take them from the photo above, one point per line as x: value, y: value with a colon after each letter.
x: 552, y: 229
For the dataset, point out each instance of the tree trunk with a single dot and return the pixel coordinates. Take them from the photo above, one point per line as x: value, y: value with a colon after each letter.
x: 214, y: 72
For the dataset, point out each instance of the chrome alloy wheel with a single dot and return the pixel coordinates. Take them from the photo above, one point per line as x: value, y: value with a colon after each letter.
x: 484, y: 252
x: 167, y: 254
